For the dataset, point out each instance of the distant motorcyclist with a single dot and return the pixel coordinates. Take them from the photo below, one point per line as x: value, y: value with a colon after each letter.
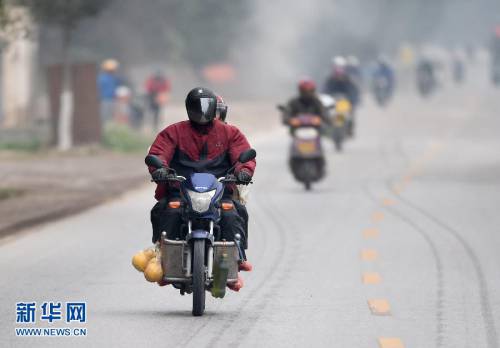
x: 353, y: 69
x: 383, y: 80
x: 307, y: 102
x: 339, y: 82
x: 383, y: 69
x: 200, y: 144
x: 426, y: 76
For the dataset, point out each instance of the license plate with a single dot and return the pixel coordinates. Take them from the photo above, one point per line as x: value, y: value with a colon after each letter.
x: 307, y: 148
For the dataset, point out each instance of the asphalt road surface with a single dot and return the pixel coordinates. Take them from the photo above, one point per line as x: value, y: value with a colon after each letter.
x: 397, y: 247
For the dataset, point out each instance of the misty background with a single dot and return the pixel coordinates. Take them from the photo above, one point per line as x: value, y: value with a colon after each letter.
x: 271, y: 44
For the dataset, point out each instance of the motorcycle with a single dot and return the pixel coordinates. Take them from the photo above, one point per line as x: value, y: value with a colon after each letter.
x: 307, y: 161
x: 381, y: 90
x: 426, y: 79
x: 344, y: 115
x: 200, y: 260
x: 339, y: 112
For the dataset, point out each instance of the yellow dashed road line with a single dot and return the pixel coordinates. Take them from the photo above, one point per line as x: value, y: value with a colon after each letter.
x: 378, y: 216
x: 407, y: 179
x: 388, y: 202
x: 390, y: 342
x: 371, y: 233
x: 397, y: 188
x: 371, y: 278
x: 369, y: 255
x: 379, y: 307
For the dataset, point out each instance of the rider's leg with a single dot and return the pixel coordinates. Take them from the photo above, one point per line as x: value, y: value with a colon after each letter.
x: 242, y: 211
x: 231, y: 223
x: 165, y: 218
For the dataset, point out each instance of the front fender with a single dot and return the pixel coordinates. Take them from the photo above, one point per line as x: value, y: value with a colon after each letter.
x: 200, y: 234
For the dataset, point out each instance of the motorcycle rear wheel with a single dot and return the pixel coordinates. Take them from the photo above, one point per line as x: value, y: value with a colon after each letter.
x: 199, y: 276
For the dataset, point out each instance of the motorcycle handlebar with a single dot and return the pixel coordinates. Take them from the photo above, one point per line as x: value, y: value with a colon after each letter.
x: 233, y: 179
x: 176, y: 178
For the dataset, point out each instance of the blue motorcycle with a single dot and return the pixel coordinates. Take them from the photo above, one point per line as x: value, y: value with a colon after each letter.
x: 201, y: 260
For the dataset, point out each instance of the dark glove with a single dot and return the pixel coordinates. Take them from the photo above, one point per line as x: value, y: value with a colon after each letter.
x: 244, y: 177
x: 160, y: 174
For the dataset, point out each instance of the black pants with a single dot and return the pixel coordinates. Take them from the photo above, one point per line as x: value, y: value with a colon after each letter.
x: 164, y: 218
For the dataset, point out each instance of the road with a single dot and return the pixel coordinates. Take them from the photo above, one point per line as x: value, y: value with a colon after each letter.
x: 397, y: 247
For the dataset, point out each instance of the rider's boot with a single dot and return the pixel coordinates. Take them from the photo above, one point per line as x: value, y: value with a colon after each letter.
x: 236, y: 286
x: 245, y: 266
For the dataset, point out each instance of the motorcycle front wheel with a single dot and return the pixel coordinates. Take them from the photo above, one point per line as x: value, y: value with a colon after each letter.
x: 199, y: 275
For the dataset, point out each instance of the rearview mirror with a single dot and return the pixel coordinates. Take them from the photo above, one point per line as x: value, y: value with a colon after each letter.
x: 247, y: 156
x: 153, y: 161
x: 281, y: 108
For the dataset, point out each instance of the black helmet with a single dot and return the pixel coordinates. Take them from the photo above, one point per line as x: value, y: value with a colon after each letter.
x: 201, y: 105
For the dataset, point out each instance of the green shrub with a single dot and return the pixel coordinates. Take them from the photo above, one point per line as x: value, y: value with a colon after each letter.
x: 31, y: 145
x: 124, y: 139
x: 6, y: 193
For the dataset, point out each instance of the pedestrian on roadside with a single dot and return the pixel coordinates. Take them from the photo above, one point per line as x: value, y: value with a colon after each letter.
x: 157, y: 89
x: 107, y: 83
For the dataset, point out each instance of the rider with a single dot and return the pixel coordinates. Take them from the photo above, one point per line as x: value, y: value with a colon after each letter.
x: 340, y: 82
x: 384, y: 71
x: 307, y: 102
x: 353, y: 69
x: 221, y: 111
x: 426, y: 70
x: 200, y: 144
x: 239, y: 202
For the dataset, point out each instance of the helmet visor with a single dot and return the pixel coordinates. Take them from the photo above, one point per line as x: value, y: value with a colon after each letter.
x: 202, y: 110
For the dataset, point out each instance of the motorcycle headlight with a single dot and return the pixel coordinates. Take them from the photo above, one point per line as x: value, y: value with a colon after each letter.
x: 200, y: 201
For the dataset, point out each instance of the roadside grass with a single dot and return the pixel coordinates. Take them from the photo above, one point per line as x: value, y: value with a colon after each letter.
x: 115, y: 137
x: 32, y: 145
x: 6, y: 193
x: 122, y: 138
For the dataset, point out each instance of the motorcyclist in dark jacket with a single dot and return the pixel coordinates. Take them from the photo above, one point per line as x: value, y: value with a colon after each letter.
x: 383, y: 70
x: 201, y: 144
x: 339, y: 82
x: 307, y: 102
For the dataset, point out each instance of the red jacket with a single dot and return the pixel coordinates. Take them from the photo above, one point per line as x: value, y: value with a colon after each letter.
x: 155, y: 85
x: 208, y: 149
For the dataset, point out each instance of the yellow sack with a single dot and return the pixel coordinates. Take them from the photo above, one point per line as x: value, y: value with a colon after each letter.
x: 142, y: 258
x: 153, y: 271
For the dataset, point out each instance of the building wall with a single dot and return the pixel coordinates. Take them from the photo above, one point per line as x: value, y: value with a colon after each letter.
x: 17, y: 78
